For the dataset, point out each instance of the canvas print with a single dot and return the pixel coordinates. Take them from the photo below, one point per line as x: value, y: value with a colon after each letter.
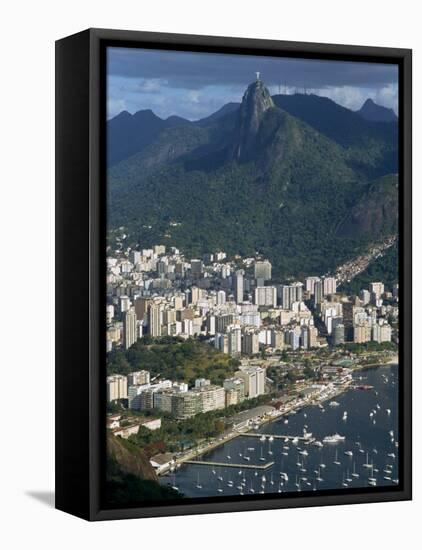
x: 252, y: 293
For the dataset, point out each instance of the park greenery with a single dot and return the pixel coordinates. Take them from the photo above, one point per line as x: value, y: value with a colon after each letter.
x: 174, y: 359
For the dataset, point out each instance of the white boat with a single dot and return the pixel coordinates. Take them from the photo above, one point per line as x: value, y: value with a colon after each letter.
x: 198, y: 485
x: 388, y: 411
x: 348, y: 453
x: 318, y: 443
x: 345, y: 415
x: 304, y: 452
x: 367, y: 463
x: 334, y: 404
x: 335, y: 438
x: 354, y: 473
x: 336, y: 460
x: 392, y: 455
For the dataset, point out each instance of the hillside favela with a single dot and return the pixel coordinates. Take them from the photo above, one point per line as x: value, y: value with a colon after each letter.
x: 252, y: 299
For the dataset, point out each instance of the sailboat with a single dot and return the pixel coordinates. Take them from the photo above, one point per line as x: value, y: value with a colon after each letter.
x: 198, y: 485
x: 319, y: 478
x: 371, y: 479
x: 262, y: 457
x: 173, y: 484
x: 354, y: 473
x: 270, y: 439
x: 336, y: 460
x: 367, y: 463
x: 344, y: 481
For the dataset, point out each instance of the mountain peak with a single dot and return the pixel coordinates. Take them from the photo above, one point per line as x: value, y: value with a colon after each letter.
x: 255, y: 102
x: 376, y: 113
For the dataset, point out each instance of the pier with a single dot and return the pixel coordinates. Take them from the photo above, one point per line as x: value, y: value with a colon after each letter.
x: 231, y: 464
x: 289, y: 437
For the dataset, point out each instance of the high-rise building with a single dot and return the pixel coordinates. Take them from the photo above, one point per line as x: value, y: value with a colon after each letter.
x: 290, y: 294
x: 313, y: 337
x: 250, y: 341
x: 266, y: 296
x: 376, y: 289
x: 129, y: 328
x: 310, y: 284
x: 154, y: 319
x: 221, y: 342
x: 304, y: 337
x: 330, y: 285
x: 138, y: 378
x: 365, y: 296
x: 197, y: 267
x: 221, y: 297
x: 254, y: 380
x: 338, y: 334
x: 141, y: 307
x: 186, y: 404
x: 362, y: 333
x: 381, y: 332
x: 234, y: 339
x: 262, y: 270
x: 116, y: 387
x: 212, y: 397
x: 318, y: 292
x: 237, y: 385
x: 239, y: 286
x: 124, y: 303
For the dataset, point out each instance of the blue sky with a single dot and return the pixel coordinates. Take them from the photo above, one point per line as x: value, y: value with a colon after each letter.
x: 194, y: 85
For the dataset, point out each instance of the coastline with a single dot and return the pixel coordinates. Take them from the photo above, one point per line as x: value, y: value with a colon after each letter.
x: 202, y: 450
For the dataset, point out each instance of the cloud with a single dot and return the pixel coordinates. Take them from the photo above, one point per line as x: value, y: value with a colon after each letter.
x: 196, y: 70
x: 194, y: 85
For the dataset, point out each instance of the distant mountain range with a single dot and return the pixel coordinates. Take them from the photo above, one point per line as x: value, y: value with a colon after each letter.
x: 295, y: 177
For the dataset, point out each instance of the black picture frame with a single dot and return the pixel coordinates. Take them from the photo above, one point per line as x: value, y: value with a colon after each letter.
x: 80, y: 269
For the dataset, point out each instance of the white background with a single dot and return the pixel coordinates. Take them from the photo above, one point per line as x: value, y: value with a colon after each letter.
x: 27, y: 37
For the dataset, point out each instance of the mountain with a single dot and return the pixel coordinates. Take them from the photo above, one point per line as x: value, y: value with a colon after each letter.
x: 371, y: 145
x: 225, y: 110
x: 130, y: 476
x: 128, y: 134
x: 376, y: 212
x: 275, y: 175
x: 377, y: 113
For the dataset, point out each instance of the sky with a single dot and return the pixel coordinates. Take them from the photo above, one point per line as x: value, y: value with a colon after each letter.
x: 195, y: 85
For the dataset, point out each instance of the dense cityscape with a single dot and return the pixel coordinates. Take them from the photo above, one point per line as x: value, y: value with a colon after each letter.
x: 234, y: 306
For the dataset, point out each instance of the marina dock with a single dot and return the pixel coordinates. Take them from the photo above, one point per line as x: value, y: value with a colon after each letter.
x: 289, y: 437
x: 231, y: 464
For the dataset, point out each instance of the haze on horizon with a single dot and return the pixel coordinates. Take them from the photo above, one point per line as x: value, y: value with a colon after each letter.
x: 195, y: 85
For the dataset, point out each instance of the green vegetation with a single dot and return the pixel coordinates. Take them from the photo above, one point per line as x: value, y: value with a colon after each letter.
x: 383, y: 269
x: 178, y: 435
x: 175, y: 359
x: 286, y: 200
x: 370, y: 347
x: 124, y: 488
